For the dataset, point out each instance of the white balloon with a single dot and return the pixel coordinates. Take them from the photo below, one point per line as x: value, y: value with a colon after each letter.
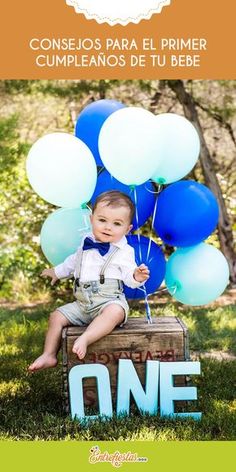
x: 62, y: 170
x: 128, y: 145
x: 179, y: 148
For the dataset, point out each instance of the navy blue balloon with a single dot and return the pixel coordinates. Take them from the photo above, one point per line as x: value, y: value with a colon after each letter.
x: 144, y: 194
x: 187, y: 213
x: 90, y: 121
x: 155, y: 262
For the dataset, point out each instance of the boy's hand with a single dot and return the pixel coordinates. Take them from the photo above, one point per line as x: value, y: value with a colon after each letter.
x: 141, y: 273
x: 50, y: 273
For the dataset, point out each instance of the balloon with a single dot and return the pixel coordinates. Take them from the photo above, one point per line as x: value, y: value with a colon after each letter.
x: 144, y: 194
x: 179, y: 148
x: 128, y: 145
x: 200, y: 274
x: 90, y: 122
x: 153, y: 257
x: 62, y: 233
x: 187, y: 213
x: 62, y: 170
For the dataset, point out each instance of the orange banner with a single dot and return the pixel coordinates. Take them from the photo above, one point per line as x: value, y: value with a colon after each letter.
x: 49, y: 39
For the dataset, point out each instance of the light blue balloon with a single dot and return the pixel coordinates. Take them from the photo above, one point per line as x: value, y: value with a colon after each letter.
x: 128, y: 145
x: 197, y: 275
x: 179, y: 147
x: 62, y: 170
x: 62, y: 233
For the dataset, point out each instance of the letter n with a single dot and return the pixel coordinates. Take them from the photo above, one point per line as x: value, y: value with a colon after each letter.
x: 128, y: 382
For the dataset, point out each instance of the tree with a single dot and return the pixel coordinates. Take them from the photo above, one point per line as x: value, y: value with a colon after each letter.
x: 224, y: 227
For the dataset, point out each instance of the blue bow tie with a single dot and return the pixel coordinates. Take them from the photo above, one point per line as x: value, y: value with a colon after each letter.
x: 103, y: 248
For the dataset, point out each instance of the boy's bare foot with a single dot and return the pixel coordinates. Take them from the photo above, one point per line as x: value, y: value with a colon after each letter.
x: 80, y: 347
x: 43, y: 362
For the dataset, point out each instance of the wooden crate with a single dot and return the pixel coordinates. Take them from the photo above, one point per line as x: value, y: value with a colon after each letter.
x: 166, y: 339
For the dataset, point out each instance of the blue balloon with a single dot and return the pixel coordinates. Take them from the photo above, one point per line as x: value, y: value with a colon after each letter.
x: 187, y: 213
x: 144, y: 200
x: 197, y: 275
x: 90, y: 122
x: 153, y: 257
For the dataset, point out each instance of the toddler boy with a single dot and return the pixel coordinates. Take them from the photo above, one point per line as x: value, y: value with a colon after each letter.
x: 100, y: 266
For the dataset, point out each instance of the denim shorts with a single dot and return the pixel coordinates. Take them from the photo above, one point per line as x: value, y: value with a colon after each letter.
x: 91, y: 299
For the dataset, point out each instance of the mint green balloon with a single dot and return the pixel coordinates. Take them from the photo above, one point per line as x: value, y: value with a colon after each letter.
x: 129, y: 145
x: 197, y: 275
x: 179, y: 147
x: 62, y: 233
x: 62, y: 170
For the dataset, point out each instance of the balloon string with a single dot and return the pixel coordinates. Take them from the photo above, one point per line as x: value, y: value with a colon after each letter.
x: 100, y: 170
x: 148, y: 310
x: 159, y: 189
x: 172, y: 290
x: 85, y: 220
x: 86, y: 223
x: 147, y: 306
x: 151, y: 229
x: 137, y: 223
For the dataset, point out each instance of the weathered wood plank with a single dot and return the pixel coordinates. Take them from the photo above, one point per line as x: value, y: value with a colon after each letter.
x: 161, y: 324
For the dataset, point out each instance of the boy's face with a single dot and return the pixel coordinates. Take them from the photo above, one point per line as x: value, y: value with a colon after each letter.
x: 110, y: 224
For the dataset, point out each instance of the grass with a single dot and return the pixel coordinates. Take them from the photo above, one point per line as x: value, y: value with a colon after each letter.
x: 31, y: 405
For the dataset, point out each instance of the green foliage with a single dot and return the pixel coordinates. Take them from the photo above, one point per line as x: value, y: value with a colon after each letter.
x: 16, y: 86
x: 31, y: 405
x: 21, y: 213
x: 60, y: 88
x: 76, y: 89
x: 210, y: 329
x: 10, y: 148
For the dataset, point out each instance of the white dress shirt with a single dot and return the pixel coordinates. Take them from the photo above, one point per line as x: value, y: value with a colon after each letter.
x: 121, y: 267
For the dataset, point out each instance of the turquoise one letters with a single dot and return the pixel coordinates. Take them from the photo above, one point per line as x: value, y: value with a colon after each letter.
x: 159, y: 376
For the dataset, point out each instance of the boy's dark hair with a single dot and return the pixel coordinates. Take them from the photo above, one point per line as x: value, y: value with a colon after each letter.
x: 115, y: 199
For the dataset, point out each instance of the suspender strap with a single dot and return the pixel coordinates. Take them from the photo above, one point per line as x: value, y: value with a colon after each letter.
x: 110, y: 257
x: 78, y: 266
